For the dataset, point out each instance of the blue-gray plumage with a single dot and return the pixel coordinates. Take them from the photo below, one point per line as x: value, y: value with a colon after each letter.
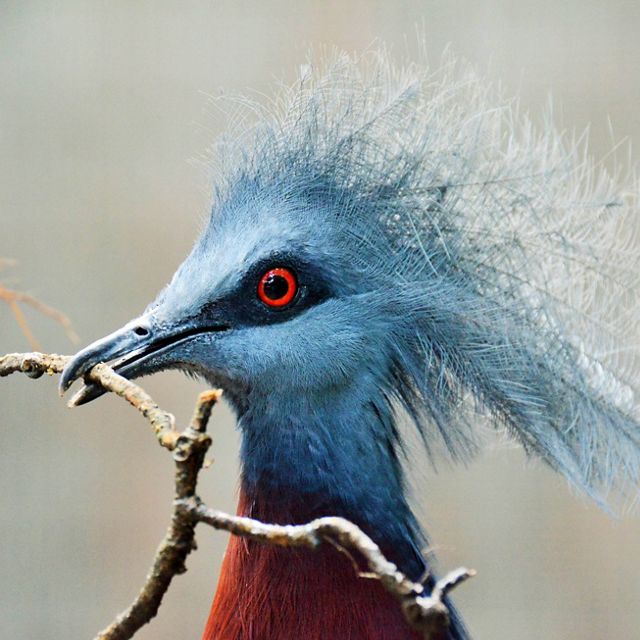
x: 450, y: 264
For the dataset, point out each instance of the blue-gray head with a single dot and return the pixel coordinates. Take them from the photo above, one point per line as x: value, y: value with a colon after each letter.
x: 386, y: 243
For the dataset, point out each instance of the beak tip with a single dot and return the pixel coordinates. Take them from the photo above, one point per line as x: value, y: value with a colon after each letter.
x: 65, y: 381
x: 72, y: 403
x: 86, y: 394
x: 77, y: 367
x: 76, y: 399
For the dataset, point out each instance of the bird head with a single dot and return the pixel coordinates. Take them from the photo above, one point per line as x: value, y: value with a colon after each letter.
x: 276, y: 297
x: 390, y: 237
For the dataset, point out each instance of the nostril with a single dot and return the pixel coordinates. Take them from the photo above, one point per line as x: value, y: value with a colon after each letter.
x: 141, y: 331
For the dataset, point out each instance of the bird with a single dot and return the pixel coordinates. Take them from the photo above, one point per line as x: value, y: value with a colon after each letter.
x: 393, y: 245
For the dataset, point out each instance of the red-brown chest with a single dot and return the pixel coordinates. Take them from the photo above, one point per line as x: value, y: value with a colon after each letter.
x: 270, y: 593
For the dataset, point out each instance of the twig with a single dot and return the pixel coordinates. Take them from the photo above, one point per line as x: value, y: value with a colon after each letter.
x: 427, y: 613
x: 13, y: 298
x: 32, y: 364
x: 163, y: 422
x: 169, y: 561
x: 36, y: 364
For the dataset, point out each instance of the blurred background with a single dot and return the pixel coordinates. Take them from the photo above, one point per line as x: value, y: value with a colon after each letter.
x: 103, y: 107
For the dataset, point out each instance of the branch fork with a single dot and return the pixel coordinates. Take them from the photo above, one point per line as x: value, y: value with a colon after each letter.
x: 427, y: 613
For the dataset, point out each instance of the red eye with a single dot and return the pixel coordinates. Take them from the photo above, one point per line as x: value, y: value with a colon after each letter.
x: 277, y: 287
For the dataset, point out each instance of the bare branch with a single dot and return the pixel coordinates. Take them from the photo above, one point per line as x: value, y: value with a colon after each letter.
x: 163, y: 422
x: 169, y: 561
x: 15, y: 298
x: 36, y: 364
x: 32, y: 364
x: 425, y: 612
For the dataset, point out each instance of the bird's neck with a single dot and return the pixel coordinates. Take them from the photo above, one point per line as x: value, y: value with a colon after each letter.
x: 328, y: 463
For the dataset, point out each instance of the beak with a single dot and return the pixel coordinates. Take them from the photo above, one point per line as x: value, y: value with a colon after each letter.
x: 141, y: 347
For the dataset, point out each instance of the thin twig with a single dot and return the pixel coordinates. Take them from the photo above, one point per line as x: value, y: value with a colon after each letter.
x: 425, y: 612
x: 32, y: 364
x: 13, y: 298
x: 179, y: 541
x: 20, y: 319
x: 36, y: 364
x: 163, y: 422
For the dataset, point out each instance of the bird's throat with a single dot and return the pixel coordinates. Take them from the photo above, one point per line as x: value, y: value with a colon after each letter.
x: 272, y: 593
x: 320, y: 459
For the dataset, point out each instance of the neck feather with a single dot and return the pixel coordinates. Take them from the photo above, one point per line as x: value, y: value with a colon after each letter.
x: 328, y: 462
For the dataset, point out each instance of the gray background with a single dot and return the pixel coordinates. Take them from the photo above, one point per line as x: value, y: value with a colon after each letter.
x: 102, y: 104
